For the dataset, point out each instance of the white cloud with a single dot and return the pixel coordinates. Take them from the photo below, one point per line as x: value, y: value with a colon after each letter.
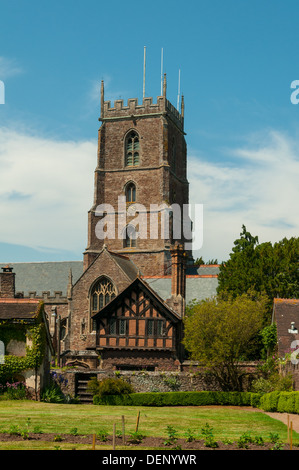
x: 9, y: 68
x: 46, y: 189
x: 260, y: 191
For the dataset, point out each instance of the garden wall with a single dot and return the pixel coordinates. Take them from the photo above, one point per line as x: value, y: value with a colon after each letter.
x: 191, y: 378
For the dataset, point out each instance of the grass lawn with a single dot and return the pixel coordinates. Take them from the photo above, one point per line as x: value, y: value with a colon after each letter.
x: 227, y: 423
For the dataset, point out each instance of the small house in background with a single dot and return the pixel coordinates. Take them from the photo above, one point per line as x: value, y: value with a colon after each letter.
x: 24, y: 334
x: 286, y: 317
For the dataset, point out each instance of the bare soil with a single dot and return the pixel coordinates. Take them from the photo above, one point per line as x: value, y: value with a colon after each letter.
x: 147, y: 442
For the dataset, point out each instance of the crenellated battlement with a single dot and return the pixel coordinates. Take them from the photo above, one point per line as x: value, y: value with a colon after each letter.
x: 147, y: 107
x: 133, y: 109
x: 162, y: 106
x: 45, y: 296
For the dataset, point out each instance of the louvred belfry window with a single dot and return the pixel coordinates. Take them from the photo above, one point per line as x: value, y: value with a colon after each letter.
x: 132, y: 149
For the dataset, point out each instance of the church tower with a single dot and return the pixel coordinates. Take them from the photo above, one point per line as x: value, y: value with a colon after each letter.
x: 139, y: 178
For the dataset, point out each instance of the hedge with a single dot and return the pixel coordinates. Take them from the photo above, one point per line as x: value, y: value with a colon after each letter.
x: 181, y: 399
x: 282, y: 402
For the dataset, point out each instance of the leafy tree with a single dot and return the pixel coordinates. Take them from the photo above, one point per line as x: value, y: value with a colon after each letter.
x: 200, y: 261
x: 273, y: 270
x: 268, y: 337
x: 219, y: 333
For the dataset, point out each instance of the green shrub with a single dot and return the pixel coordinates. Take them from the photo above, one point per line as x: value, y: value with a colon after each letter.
x: 190, y: 437
x: 275, y: 382
x: 283, y: 402
x: 258, y: 440
x: 14, y: 430
x: 52, y: 394
x: 74, y: 431
x: 180, y: 399
x: 14, y: 391
x: 244, y: 440
x: 111, y: 386
x: 136, y: 437
x: 286, y: 402
x: 208, y: 436
x: 172, y: 436
x: 269, y: 401
x: 93, y: 386
x: 102, y: 434
x: 255, y: 399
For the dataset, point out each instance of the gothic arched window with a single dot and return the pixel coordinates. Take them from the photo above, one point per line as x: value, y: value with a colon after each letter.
x: 102, y: 292
x: 130, y: 237
x: 132, y: 149
x: 130, y: 193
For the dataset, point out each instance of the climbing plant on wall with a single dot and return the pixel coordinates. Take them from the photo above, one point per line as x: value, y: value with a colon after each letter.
x: 20, y: 331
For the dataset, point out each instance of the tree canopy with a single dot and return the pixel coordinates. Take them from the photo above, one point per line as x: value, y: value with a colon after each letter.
x: 272, y: 269
x: 219, y: 333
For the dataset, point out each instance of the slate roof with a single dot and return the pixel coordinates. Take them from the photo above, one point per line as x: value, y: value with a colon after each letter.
x: 201, y: 283
x: 39, y: 277
x: 125, y: 264
x: 45, y: 276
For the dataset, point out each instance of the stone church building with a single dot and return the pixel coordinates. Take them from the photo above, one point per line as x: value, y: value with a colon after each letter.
x: 122, y: 306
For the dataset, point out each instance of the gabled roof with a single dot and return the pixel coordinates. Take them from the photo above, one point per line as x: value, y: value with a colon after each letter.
x: 154, y: 297
x: 127, y: 266
x: 282, y: 307
x: 18, y: 309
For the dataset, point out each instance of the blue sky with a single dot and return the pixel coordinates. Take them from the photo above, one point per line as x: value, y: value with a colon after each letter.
x: 237, y: 60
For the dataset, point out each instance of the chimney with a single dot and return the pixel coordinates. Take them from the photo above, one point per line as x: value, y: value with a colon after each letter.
x: 178, y: 279
x: 7, y: 283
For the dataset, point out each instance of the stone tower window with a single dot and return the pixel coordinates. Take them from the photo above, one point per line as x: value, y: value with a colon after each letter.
x: 132, y: 149
x: 102, y: 292
x: 130, y: 237
x: 130, y: 193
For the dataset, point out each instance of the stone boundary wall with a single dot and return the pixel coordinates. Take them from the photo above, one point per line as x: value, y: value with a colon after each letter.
x: 145, y: 381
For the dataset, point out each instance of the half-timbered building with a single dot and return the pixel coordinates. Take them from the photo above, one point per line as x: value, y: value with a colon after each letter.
x: 137, y: 330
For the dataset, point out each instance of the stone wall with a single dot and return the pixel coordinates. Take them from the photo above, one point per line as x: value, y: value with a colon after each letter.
x: 146, y: 381
x: 141, y: 381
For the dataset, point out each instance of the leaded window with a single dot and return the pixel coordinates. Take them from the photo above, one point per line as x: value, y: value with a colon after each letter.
x: 112, y: 326
x: 154, y: 327
x: 160, y: 327
x: 122, y: 327
x: 150, y: 327
x: 102, y: 293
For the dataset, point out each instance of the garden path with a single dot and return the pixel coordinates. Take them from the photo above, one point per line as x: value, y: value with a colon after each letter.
x: 294, y: 418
